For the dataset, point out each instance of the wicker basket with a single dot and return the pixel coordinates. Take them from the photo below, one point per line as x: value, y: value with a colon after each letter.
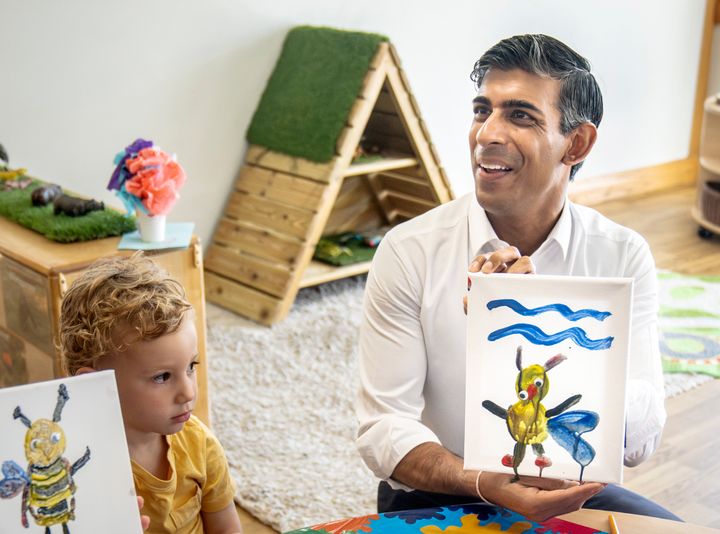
x: 710, y: 202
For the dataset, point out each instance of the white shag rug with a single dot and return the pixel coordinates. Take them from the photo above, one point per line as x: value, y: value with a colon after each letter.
x: 282, y: 406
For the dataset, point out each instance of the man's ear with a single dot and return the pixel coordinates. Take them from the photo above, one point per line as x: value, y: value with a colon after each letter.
x: 582, y: 140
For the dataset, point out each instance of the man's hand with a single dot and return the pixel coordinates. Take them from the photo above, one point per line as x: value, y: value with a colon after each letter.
x: 538, y: 499
x: 505, y: 260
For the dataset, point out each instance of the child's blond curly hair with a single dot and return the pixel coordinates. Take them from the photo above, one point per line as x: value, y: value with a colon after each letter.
x: 116, y: 302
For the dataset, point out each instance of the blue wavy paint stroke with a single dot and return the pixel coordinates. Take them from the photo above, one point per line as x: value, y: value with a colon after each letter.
x: 562, y: 309
x: 537, y: 337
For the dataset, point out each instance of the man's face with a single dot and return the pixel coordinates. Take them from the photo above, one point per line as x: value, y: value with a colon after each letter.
x: 516, y: 147
x: 156, y: 381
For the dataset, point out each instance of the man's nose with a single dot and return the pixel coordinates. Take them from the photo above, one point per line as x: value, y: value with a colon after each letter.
x: 491, y: 130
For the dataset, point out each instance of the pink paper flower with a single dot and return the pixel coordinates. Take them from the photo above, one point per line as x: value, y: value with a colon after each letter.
x: 155, y: 178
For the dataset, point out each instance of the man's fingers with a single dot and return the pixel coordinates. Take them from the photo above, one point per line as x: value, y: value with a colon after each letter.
x: 547, y: 483
x: 522, y: 265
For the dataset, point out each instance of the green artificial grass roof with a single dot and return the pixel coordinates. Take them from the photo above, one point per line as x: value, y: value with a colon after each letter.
x: 310, y: 93
x: 16, y: 205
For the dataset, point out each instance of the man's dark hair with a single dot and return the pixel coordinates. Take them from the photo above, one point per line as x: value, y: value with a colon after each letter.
x: 580, y: 97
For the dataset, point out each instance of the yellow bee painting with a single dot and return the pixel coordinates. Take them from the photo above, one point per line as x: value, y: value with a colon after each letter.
x: 529, y: 423
x: 48, y: 488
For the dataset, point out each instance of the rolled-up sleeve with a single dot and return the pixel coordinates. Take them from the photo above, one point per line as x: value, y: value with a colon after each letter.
x: 645, y: 413
x: 392, y: 363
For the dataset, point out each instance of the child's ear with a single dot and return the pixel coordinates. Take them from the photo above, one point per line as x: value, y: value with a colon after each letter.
x: 84, y: 370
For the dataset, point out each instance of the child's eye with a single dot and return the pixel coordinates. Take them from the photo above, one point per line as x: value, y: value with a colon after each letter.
x: 161, y: 378
x: 193, y: 365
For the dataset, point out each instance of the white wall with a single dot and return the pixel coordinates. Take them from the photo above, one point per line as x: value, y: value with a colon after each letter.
x: 83, y: 78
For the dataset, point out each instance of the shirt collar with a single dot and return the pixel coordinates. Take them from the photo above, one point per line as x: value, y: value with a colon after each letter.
x: 484, y: 239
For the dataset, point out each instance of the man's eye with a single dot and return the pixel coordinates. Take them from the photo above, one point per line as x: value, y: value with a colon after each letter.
x: 520, y: 116
x: 161, y: 378
x: 481, y: 113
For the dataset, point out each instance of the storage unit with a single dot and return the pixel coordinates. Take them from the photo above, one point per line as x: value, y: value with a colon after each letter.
x: 261, y: 252
x: 34, y: 274
x: 706, y: 211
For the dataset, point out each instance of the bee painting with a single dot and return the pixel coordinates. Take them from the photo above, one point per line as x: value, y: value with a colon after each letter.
x: 47, y: 487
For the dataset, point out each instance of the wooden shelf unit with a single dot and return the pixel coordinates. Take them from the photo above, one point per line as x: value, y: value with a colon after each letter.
x: 280, y: 206
x: 706, y: 211
x: 35, y: 274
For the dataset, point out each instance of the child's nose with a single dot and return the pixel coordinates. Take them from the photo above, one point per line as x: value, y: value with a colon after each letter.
x: 186, y: 392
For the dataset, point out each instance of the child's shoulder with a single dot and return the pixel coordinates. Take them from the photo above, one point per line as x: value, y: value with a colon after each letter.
x: 194, y: 434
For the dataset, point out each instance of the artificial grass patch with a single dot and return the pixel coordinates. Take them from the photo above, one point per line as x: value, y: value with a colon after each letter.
x: 16, y: 205
x: 310, y: 93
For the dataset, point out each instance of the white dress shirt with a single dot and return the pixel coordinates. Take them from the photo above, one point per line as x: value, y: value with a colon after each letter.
x: 412, y: 339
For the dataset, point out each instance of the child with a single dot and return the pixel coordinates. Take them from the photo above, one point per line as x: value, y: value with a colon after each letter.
x: 126, y: 314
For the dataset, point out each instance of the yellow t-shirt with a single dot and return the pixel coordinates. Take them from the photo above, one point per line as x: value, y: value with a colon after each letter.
x: 199, y: 480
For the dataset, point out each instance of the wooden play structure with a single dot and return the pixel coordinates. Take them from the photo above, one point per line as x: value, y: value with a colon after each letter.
x: 262, y: 249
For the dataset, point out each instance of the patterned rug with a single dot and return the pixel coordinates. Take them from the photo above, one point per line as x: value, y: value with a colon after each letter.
x: 690, y: 330
x: 282, y: 397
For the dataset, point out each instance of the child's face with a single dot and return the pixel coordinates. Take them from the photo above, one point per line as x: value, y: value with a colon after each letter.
x: 156, y: 381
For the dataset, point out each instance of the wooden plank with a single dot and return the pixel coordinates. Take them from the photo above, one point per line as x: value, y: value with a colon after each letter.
x: 264, y: 157
x: 391, y: 181
x: 355, y: 208
x: 634, y: 183
x: 275, y: 185
x: 386, y: 123
x: 266, y: 213
x: 320, y: 273
x: 421, y: 145
x: 245, y: 237
x: 255, y: 272
x: 385, y: 102
x: 387, y: 163
x: 382, y: 52
x: 241, y: 299
x: 407, y: 203
x: 374, y: 79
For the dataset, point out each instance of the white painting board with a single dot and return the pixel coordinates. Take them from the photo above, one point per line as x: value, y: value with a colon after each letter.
x: 90, y: 418
x: 508, y: 311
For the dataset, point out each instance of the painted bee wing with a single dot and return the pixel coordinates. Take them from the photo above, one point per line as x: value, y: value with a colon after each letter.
x: 12, y: 470
x: 14, y: 480
x: 567, y: 429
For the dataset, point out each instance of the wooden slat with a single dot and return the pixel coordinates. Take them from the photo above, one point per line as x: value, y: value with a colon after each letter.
x: 397, y: 143
x: 264, y: 157
x: 637, y: 182
x: 373, y: 82
x: 320, y: 273
x: 355, y: 208
x: 255, y: 272
x: 386, y: 123
x: 241, y: 299
x: 385, y: 102
x: 387, y: 163
x: 404, y: 184
x: 266, y: 213
x: 244, y: 237
x: 407, y: 203
x: 382, y: 51
x: 421, y: 145
x: 275, y: 185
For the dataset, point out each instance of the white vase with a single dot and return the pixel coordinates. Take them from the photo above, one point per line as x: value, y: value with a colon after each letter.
x: 152, y: 227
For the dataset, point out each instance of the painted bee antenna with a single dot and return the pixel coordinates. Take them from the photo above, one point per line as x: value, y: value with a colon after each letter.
x: 17, y: 414
x: 62, y: 399
x: 518, y: 358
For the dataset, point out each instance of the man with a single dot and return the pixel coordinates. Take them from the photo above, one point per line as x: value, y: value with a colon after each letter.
x: 535, y: 120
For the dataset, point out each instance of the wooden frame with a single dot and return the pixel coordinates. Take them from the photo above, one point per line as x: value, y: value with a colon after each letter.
x: 261, y: 252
